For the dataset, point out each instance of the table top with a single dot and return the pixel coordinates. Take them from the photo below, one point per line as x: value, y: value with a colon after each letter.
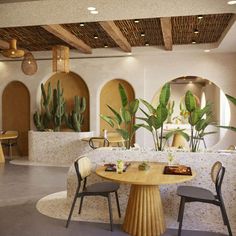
x: 110, y: 139
x: 8, y: 136
x: 152, y: 176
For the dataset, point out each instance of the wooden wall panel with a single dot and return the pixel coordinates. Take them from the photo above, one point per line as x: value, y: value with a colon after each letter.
x: 73, y: 85
x: 16, y: 113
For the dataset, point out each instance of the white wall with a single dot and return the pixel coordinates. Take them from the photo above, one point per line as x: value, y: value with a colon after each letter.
x: 146, y: 73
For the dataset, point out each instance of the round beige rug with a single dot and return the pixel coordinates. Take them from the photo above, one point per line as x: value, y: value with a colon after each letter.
x: 57, y: 206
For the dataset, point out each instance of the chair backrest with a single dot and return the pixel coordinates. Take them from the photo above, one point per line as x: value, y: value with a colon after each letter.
x: 96, y: 142
x: 82, y: 167
x: 217, y: 176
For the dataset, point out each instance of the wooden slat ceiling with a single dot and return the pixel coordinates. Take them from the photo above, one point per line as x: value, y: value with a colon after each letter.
x: 35, y: 38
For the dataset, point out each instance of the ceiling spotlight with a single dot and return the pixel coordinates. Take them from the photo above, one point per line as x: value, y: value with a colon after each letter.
x: 194, y: 42
x: 200, y: 17
x: 146, y: 44
x: 91, y: 8
x: 81, y: 24
x: 136, y: 21
x: 95, y: 36
x: 142, y: 34
x: 196, y: 31
x: 231, y: 2
x: 105, y: 46
x: 207, y: 50
x: 94, y: 12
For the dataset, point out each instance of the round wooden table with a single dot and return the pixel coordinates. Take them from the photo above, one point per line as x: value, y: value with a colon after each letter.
x: 144, y: 213
x: 4, y: 137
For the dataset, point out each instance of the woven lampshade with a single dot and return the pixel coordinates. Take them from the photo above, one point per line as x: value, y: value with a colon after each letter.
x: 29, y: 65
x: 13, y: 52
x: 60, y: 58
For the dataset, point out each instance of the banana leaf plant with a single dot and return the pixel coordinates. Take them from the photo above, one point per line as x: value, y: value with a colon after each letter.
x: 154, y: 120
x: 124, y: 119
x: 233, y: 100
x: 199, y: 119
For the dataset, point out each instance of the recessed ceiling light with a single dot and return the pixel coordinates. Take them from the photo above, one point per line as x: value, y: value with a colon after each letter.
x: 194, y: 42
x: 129, y: 53
x: 105, y: 46
x: 81, y: 24
x: 142, y: 34
x: 231, y: 2
x: 196, y: 31
x: 91, y: 8
x: 207, y: 50
x: 146, y: 44
x: 94, y: 12
x: 136, y: 21
x: 95, y: 36
x: 200, y: 17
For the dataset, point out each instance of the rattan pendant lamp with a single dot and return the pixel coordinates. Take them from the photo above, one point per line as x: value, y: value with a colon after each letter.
x: 13, y: 52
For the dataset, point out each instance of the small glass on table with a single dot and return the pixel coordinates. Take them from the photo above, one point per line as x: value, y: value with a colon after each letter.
x: 119, y: 166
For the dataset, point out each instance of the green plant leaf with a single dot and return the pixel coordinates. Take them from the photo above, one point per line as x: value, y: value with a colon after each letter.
x: 154, y: 122
x: 124, y: 133
x: 162, y: 114
x: 190, y: 101
x: 108, y: 120
x: 195, y: 116
x: 123, y: 96
x: 232, y: 99
x: 202, y: 134
x: 150, y: 108
x: 133, y: 106
x: 117, y: 115
x: 227, y: 127
x: 126, y: 116
x: 144, y: 112
x: 165, y: 94
x: 149, y: 128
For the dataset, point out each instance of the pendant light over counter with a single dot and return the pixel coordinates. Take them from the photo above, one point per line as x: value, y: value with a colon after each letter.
x: 60, y: 58
x: 13, y: 52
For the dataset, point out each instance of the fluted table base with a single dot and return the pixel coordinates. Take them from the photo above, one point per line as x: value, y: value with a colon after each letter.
x: 144, y: 213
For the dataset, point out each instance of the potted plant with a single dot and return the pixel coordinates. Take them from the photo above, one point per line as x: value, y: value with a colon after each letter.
x: 199, y: 119
x: 124, y: 119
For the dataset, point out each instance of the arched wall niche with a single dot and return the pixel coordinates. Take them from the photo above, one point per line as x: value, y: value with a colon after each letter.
x: 205, y: 91
x: 110, y: 96
x: 73, y: 85
x: 16, y: 113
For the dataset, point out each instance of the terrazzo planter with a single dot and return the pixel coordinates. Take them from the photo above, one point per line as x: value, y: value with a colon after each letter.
x: 57, y: 147
x: 197, y: 216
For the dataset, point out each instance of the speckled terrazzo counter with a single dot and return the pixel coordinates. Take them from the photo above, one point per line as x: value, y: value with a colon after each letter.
x: 57, y: 147
x: 197, y: 216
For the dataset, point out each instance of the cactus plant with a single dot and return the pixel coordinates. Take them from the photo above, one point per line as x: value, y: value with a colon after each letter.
x: 75, y: 119
x: 58, y: 107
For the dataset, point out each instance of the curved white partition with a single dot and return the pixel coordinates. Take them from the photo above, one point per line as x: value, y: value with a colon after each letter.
x: 198, y: 216
x: 57, y: 147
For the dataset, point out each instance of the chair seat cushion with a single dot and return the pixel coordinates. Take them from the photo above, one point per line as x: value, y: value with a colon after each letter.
x: 105, y: 187
x: 195, y: 193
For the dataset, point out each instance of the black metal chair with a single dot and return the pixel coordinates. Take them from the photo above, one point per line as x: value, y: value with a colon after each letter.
x: 197, y: 194
x: 104, y: 189
x: 96, y: 142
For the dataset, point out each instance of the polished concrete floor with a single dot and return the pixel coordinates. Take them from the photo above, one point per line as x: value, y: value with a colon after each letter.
x: 22, y: 186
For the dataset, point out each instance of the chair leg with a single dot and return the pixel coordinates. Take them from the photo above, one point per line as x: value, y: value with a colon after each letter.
x: 118, y: 204
x: 72, y: 209
x: 10, y: 151
x: 181, y: 215
x: 225, y: 217
x: 81, y: 203
x: 110, y: 211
